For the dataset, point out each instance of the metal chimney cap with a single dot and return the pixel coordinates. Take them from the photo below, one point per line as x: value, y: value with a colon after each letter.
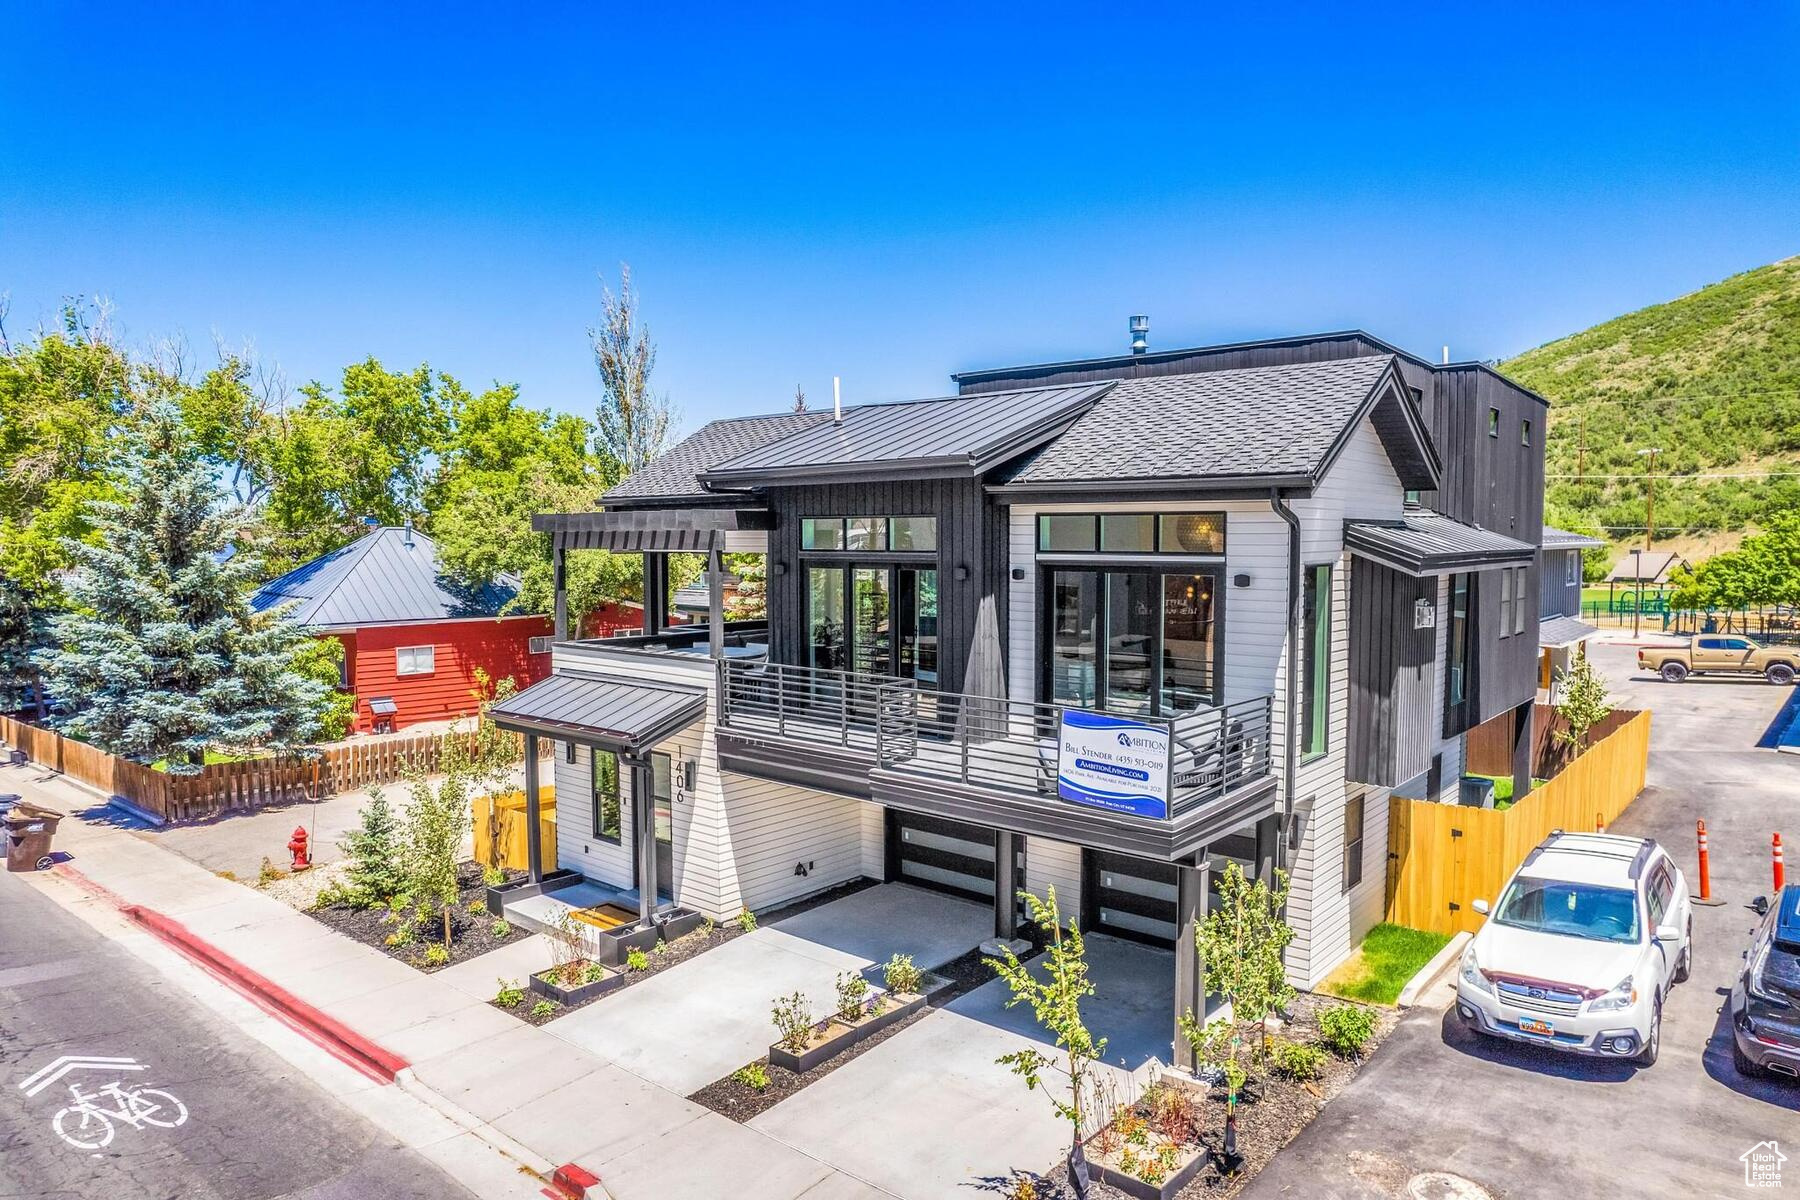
x: 1140, y: 334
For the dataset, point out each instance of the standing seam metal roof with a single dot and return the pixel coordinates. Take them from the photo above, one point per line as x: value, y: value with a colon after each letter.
x: 1429, y: 543
x: 621, y: 712
x: 960, y: 433
x: 378, y: 579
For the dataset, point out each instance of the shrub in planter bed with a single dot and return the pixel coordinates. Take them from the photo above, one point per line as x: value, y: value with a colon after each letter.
x: 804, y: 1044
x: 1151, y: 1149
x: 1298, y: 1061
x: 1347, y: 1028
x: 576, y: 981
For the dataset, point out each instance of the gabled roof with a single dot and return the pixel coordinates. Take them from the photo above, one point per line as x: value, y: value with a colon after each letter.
x: 1562, y: 539
x: 675, y: 475
x: 1648, y: 567
x: 1428, y: 543
x: 1254, y: 426
x: 953, y: 435
x: 379, y: 579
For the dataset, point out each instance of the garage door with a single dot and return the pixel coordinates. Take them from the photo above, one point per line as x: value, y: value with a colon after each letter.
x: 947, y: 856
x: 1128, y: 897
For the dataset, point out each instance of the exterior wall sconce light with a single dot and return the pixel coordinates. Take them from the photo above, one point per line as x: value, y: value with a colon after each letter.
x: 1018, y: 574
x: 569, y: 752
x: 1242, y: 579
x: 780, y: 568
x: 688, y: 773
x: 962, y: 572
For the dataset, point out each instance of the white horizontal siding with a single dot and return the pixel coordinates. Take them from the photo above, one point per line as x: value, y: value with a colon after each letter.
x: 578, y: 847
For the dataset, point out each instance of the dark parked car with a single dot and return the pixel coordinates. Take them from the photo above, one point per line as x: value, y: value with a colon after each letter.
x: 1765, y: 1000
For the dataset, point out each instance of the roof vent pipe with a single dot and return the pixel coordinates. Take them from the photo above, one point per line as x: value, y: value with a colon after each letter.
x: 1140, y: 334
x: 837, y: 402
x: 407, y: 538
x: 1446, y: 356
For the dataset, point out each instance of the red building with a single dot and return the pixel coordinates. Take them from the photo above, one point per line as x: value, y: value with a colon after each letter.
x: 413, y: 638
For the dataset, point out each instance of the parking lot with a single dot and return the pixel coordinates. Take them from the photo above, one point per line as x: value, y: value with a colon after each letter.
x: 1523, y: 1122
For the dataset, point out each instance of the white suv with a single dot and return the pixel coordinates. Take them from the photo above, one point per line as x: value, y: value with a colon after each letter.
x: 1588, y: 937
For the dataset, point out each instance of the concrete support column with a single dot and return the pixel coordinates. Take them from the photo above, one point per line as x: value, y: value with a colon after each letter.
x: 643, y: 816
x: 534, y: 849
x: 715, y: 603
x: 559, y: 584
x: 1006, y: 885
x: 1191, y: 884
x: 1523, y: 741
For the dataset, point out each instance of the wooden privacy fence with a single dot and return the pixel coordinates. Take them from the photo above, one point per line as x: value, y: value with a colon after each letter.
x: 501, y: 838
x: 1443, y: 856
x: 1489, y: 745
x: 227, y: 787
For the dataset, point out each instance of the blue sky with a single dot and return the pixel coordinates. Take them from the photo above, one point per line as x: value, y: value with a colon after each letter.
x: 883, y: 196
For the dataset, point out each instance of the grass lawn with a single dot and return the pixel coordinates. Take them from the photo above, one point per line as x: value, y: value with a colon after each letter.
x: 212, y: 757
x: 1385, y: 963
x: 1503, y: 788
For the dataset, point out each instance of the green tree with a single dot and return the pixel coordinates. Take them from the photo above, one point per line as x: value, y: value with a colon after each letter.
x: 1763, y: 570
x: 321, y: 659
x: 437, y: 817
x: 364, y: 450
x: 1584, y: 703
x: 1242, y: 945
x: 159, y: 654
x: 635, y: 423
x: 1055, y: 1000
x: 373, y: 868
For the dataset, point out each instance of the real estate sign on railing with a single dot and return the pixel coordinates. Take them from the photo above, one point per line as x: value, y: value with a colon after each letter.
x: 1114, y: 763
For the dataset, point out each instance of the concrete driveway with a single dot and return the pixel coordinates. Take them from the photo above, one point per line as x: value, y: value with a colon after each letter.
x: 701, y: 1020
x: 1524, y: 1122
x: 951, y: 1121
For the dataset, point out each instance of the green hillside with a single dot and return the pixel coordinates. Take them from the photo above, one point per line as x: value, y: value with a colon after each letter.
x: 1713, y: 379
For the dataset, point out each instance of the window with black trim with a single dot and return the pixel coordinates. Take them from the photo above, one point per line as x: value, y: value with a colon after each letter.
x: 1456, y: 655
x: 1525, y: 433
x: 1506, y: 602
x: 1196, y: 534
x: 1493, y: 422
x: 1353, y: 841
x: 877, y: 534
x: 1315, y: 691
x: 606, y: 796
x: 1519, y: 581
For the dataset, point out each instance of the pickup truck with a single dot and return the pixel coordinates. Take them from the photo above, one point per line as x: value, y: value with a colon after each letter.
x: 1721, y: 653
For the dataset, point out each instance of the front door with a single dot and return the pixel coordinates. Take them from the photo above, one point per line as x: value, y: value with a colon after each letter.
x: 662, y: 775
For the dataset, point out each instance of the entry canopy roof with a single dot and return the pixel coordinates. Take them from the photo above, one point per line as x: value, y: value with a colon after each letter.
x: 602, y: 710
x: 1425, y: 543
x: 1554, y: 633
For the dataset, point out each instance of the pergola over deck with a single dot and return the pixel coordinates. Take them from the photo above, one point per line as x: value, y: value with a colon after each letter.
x: 604, y: 712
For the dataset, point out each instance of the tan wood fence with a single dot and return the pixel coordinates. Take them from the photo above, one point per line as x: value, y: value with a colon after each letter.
x: 1489, y: 745
x: 501, y: 830
x: 1441, y: 857
x: 227, y: 787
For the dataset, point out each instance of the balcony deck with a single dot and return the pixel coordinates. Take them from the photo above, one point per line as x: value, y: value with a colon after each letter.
x: 982, y: 759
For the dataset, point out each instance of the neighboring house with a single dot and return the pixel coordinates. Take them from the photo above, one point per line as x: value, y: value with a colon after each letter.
x: 1105, y: 626
x: 413, y: 638
x: 1645, y: 568
x: 1562, y: 634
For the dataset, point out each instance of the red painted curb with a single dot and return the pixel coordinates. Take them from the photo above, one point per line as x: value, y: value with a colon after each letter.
x: 574, y: 1181
x: 324, y: 1029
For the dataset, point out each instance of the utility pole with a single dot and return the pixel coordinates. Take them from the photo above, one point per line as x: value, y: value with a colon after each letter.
x: 1580, y: 447
x: 1650, y: 494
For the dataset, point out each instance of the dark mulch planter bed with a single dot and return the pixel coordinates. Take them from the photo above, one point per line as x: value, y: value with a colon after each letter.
x: 1265, y: 1124
x: 677, y: 952
x: 471, y: 933
x: 740, y: 1102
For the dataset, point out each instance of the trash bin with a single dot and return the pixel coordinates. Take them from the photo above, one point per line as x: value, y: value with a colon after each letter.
x: 29, y: 829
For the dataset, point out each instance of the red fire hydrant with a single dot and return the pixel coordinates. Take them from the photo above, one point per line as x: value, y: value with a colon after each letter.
x: 297, y: 847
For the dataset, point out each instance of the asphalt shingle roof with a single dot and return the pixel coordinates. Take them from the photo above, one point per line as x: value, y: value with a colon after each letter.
x: 377, y: 580
x: 1280, y: 420
x: 676, y: 474
x: 952, y: 433
x: 1555, y: 632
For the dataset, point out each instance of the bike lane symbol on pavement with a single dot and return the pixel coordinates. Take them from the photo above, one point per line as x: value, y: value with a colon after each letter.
x: 90, y: 1120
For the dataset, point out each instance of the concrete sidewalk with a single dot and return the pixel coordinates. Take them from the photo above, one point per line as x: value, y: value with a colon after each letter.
x: 525, y: 1088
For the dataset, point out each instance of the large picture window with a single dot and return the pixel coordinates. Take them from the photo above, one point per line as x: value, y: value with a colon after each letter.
x: 1195, y: 534
x: 606, y: 796
x: 1316, y: 663
x: 1142, y: 642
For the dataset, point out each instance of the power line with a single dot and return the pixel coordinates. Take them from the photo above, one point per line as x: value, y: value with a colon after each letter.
x: 1693, y: 475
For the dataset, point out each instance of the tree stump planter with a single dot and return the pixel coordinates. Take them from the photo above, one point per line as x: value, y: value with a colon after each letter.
x: 830, y: 1037
x: 545, y: 983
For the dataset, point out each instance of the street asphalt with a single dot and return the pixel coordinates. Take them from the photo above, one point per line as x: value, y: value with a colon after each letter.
x: 1522, y: 1122
x: 255, y: 1126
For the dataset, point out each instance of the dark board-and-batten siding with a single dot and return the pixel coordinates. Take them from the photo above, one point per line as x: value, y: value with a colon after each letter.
x: 1391, y: 676
x: 971, y: 536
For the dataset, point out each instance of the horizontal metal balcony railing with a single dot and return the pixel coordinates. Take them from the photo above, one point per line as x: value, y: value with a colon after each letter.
x: 985, y: 742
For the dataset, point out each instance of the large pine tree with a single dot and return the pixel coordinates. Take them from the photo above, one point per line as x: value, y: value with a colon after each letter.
x: 160, y: 656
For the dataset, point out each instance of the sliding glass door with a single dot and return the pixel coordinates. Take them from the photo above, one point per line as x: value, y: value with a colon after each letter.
x: 1141, y: 642
x: 874, y: 619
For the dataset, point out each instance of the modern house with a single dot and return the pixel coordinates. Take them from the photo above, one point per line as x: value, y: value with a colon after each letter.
x: 1105, y: 625
x: 413, y: 638
x: 1562, y: 634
